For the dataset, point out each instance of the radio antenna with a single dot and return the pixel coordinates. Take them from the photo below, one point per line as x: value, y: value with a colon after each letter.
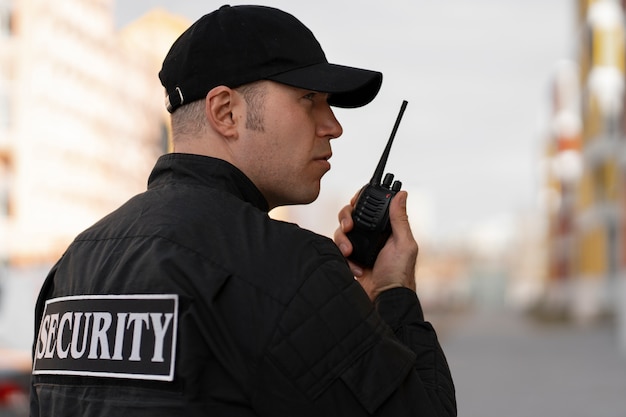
x: 378, y: 174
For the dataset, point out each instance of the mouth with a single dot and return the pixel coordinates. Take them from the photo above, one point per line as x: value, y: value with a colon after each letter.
x: 325, y: 157
x: 324, y: 160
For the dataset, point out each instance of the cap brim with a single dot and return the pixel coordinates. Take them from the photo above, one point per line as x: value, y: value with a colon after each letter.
x: 348, y: 87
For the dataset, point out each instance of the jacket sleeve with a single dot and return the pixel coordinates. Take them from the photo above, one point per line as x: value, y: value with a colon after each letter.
x: 334, y: 352
x: 401, y: 310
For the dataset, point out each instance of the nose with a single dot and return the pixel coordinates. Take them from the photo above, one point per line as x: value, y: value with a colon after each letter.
x: 329, y: 126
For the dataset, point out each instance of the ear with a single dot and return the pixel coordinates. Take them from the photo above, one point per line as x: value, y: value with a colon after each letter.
x: 220, y: 104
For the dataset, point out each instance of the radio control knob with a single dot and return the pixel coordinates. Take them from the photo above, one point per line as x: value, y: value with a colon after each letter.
x: 387, y: 181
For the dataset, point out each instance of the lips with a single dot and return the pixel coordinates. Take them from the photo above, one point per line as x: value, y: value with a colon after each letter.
x: 324, y: 157
x: 324, y: 160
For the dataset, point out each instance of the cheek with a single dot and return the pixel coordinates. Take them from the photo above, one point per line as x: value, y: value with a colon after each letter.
x: 273, y: 163
x: 285, y: 150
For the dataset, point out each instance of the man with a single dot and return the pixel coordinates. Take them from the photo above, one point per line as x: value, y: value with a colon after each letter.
x: 189, y: 300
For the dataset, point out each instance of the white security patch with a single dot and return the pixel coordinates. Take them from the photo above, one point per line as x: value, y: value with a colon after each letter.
x: 116, y: 336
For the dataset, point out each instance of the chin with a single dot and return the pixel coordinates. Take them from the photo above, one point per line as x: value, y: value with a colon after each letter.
x: 301, y: 199
x: 312, y: 197
x: 304, y: 195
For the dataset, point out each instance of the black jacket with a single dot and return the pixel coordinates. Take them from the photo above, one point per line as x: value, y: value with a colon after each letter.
x: 189, y: 300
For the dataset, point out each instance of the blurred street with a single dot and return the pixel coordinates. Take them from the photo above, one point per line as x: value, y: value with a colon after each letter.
x: 505, y: 364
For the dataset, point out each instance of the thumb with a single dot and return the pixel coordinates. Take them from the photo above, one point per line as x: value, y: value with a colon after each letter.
x: 398, y: 216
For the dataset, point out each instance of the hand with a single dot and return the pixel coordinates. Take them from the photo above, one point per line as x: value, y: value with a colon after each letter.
x: 395, y: 264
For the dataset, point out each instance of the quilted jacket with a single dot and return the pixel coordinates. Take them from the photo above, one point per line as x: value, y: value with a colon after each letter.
x: 189, y: 300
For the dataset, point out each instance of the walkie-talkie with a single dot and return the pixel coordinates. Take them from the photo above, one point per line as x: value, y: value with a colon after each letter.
x: 371, y: 212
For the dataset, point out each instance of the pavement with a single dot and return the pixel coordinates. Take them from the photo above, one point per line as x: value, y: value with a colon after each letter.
x: 505, y: 364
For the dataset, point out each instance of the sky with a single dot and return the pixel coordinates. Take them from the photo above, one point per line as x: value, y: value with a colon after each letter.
x: 476, y: 75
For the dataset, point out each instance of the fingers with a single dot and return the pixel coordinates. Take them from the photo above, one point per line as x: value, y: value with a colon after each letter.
x: 395, y: 265
x: 356, y: 270
x: 345, y: 225
x: 340, y: 237
x: 345, y: 218
x: 342, y: 241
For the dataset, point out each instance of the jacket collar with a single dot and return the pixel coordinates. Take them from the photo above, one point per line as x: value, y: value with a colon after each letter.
x: 207, y: 171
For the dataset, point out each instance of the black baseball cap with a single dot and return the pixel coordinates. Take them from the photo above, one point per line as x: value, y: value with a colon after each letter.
x: 237, y: 45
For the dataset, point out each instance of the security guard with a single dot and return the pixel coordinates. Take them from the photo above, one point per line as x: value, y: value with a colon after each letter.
x: 189, y: 300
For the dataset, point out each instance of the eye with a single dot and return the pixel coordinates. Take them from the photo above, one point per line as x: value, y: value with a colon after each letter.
x: 309, y: 96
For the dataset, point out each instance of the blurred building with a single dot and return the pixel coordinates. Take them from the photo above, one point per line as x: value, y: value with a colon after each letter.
x: 82, y: 122
x: 587, y: 179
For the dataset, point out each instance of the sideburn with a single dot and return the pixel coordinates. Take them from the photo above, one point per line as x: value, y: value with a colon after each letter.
x: 254, y: 95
